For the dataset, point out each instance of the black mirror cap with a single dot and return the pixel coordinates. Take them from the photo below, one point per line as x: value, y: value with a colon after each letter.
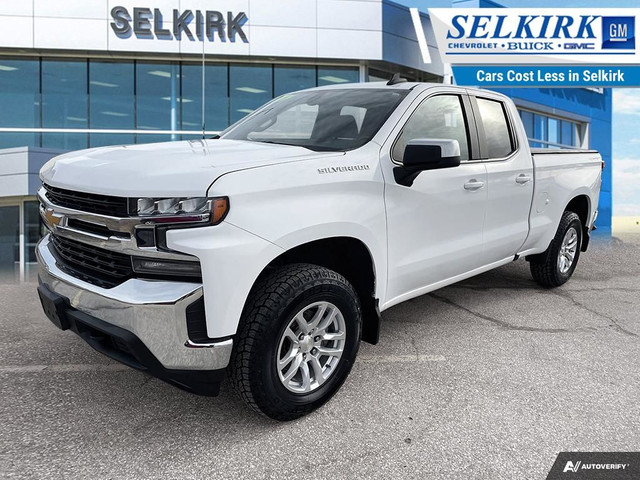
x: 426, y: 154
x: 427, y: 157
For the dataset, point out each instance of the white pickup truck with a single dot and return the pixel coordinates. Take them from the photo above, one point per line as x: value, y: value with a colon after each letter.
x: 270, y: 251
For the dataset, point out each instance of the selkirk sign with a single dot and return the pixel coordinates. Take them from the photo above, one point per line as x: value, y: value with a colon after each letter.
x: 179, y: 24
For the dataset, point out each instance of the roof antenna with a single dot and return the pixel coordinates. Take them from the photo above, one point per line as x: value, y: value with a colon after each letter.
x: 396, y: 79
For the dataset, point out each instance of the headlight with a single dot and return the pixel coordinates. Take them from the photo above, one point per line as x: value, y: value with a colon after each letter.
x: 180, y: 210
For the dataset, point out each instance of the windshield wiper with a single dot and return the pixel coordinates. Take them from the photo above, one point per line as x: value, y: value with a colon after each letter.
x: 281, y: 143
x: 313, y: 148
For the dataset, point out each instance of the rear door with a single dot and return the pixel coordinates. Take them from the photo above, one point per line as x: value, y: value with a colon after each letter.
x: 435, y: 225
x: 509, y: 174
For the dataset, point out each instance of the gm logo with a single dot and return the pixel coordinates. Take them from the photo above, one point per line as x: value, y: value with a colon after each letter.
x: 618, y: 33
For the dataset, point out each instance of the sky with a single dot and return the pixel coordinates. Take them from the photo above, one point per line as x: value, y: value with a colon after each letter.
x: 626, y: 152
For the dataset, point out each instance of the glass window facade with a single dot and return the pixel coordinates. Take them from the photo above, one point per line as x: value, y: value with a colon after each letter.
x: 337, y: 75
x: 9, y: 242
x: 216, y: 100
x: 111, y: 101
x: 95, y: 94
x: 250, y: 86
x: 291, y: 78
x: 14, y: 235
x: 20, y: 100
x: 157, y: 99
x: 33, y: 229
x: 544, y: 131
x: 64, y: 102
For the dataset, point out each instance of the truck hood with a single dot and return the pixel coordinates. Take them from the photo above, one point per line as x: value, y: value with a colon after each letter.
x: 172, y: 169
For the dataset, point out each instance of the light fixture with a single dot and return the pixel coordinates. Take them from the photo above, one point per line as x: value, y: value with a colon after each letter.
x: 250, y: 90
x: 103, y: 84
x: 333, y: 79
x: 115, y: 114
x: 244, y: 110
x: 160, y: 73
x: 178, y: 99
x: 7, y: 68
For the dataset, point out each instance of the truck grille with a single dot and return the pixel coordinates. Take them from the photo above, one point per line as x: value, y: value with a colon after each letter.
x: 87, y: 202
x: 94, y: 265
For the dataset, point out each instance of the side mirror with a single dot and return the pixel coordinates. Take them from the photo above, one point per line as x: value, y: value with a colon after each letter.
x: 426, y: 154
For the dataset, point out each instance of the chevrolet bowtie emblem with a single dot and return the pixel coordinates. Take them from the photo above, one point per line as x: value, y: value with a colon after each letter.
x: 51, y: 218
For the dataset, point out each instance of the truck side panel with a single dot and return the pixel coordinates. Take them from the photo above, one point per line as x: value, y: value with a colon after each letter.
x: 279, y: 208
x: 560, y: 176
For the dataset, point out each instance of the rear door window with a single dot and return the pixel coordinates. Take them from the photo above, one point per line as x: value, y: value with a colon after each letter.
x: 497, y: 132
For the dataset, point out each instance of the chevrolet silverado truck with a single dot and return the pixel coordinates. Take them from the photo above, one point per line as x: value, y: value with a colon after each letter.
x: 268, y: 252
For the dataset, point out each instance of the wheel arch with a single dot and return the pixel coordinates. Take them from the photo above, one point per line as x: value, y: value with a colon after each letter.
x: 349, y: 257
x: 581, y: 206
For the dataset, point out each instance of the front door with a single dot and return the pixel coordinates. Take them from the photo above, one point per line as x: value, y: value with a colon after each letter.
x: 435, y: 227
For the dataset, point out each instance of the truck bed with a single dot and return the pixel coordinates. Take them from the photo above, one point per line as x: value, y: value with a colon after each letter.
x: 560, y: 174
x: 539, y: 151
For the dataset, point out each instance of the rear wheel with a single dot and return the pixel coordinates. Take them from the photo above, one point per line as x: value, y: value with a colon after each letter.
x: 556, y: 265
x: 298, y: 338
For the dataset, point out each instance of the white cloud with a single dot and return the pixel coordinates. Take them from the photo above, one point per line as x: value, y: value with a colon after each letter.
x: 626, y: 210
x: 626, y: 101
x: 626, y: 182
x: 626, y: 162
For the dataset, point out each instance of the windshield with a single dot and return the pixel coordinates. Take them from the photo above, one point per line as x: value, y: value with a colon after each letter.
x: 332, y: 120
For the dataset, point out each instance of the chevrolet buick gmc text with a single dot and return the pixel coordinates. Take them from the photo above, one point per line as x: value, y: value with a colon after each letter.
x: 270, y: 251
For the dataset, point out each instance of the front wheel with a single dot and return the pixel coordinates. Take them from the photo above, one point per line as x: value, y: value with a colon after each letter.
x: 556, y: 265
x: 297, y: 341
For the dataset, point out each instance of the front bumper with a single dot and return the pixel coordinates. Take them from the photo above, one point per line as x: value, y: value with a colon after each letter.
x: 153, y: 311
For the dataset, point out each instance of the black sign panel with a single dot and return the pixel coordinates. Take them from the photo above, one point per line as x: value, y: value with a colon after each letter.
x: 596, y: 466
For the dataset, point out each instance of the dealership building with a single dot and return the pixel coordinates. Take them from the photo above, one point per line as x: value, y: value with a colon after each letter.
x: 87, y: 73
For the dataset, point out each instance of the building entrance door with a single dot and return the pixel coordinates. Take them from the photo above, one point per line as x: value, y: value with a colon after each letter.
x: 9, y: 243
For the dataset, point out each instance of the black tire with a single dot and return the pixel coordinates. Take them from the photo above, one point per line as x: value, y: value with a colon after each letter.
x: 272, y: 305
x: 544, y: 267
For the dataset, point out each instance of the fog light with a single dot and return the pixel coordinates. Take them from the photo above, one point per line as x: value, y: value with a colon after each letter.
x: 177, y: 268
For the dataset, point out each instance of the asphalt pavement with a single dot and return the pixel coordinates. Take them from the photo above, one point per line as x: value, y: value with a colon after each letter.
x: 486, y: 379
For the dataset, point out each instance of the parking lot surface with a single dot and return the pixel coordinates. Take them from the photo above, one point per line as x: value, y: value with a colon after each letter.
x: 486, y: 379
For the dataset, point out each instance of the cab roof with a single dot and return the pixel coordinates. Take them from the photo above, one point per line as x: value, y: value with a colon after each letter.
x: 397, y: 86
x: 415, y: 86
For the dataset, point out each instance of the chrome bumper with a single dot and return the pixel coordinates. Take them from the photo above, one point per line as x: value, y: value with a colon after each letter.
x: 152, y: 310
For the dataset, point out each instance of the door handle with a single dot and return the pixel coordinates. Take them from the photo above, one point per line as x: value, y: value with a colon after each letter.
x: 522, y: 179
x: 473, y: 185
